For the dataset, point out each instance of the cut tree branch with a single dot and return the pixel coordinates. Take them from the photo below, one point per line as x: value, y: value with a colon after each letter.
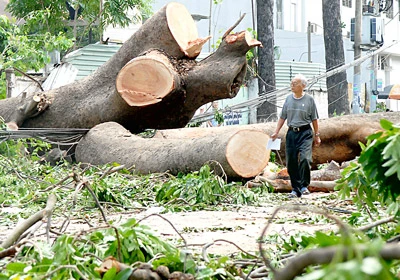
x: 25, y: 225
x: 326, y: 255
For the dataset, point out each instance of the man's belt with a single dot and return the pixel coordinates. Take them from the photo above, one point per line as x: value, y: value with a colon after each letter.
x: 300, y: 128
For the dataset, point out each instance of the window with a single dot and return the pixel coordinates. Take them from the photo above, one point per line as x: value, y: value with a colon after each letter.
x: 347, y: 3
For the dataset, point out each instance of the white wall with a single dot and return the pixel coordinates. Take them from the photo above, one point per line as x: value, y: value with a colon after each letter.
x: 294, y: 45
x: 223, y: 16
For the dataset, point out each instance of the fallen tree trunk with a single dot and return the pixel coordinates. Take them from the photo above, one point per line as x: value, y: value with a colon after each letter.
x: 281, y: 185
x: 242, y: 154
x: 95, y: 99
x: 340, y: 136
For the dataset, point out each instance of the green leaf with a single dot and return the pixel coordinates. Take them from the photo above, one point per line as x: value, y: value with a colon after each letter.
x: 110, y: 274
x: 385, y: 124
x: 124, y: 274
x: 16, y: 267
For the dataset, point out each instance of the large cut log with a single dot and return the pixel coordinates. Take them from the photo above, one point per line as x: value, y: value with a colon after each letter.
x: 340, y: 136
x: 95, y: 99
x: 242, y: 154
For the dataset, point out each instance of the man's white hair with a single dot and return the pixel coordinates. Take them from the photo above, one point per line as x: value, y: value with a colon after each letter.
x: 302, y: 78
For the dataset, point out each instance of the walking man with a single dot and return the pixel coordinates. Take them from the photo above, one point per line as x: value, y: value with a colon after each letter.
x: 300, y: 111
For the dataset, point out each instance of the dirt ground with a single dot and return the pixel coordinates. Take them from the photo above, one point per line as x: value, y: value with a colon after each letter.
x: 241, y: 227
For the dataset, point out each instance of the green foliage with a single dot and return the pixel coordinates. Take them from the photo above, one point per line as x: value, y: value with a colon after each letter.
x: 25, y: 184
x: 357, y: 267
x: 114, y: 12
x: 132, y: 242
x: 380, y: 107
x: 381, y: 159
x: 251, y: 54
x: 335, y: 114
x: 272, y: 157
x: 218, y: 116
x: 203, y: 188
x: 376, y: 175
x: 27, y: 46
x: 176, y: 260
x: 25, y: 50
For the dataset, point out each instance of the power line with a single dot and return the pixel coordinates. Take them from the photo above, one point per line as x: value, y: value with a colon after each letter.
x: 275, y: 94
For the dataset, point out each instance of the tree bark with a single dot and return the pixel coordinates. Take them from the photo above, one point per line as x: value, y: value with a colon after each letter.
x: 326, y: 255
x: 240, y: 154
x: 338, y: 102
x: 266, y: 59
x: 95, y: 99
x: 340, y: 136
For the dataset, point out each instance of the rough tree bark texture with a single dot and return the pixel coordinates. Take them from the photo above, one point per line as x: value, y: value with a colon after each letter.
x: 95, y: 100
x: 266, y: 59
x: 240, y: 154
x: 334, y: 57
x: 340, y: 136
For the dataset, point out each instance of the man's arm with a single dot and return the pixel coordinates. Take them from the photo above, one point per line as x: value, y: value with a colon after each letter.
x: 317, y: 139
x: 278, y: 128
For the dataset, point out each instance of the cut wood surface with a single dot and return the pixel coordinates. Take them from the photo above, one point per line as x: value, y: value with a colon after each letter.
x: 94, y: 99
x: 147, y: 79
x: 184, y: 30
x: 242, y: 154
x: 340, y: 136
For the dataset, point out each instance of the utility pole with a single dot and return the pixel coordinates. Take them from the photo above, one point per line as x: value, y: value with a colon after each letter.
x: 373, y: 84
x: 10, y: 82
x: 357, y: 54
x: 309, y: 41
x: 209, y: 26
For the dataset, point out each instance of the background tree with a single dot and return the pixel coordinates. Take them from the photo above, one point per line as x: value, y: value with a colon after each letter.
x: 266, y: 62
x: 334, y: 57
x: 43, y: 27
x: 24, y: 51
x: 95, y: 14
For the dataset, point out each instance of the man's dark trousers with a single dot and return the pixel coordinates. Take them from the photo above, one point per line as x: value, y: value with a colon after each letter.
x: 299, y: 158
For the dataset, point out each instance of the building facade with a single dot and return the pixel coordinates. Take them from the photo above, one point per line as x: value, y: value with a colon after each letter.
x: 291, y: 21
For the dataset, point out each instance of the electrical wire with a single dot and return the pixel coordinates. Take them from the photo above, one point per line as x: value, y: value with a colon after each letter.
x: 58, y: 136
x: 274, y: 95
